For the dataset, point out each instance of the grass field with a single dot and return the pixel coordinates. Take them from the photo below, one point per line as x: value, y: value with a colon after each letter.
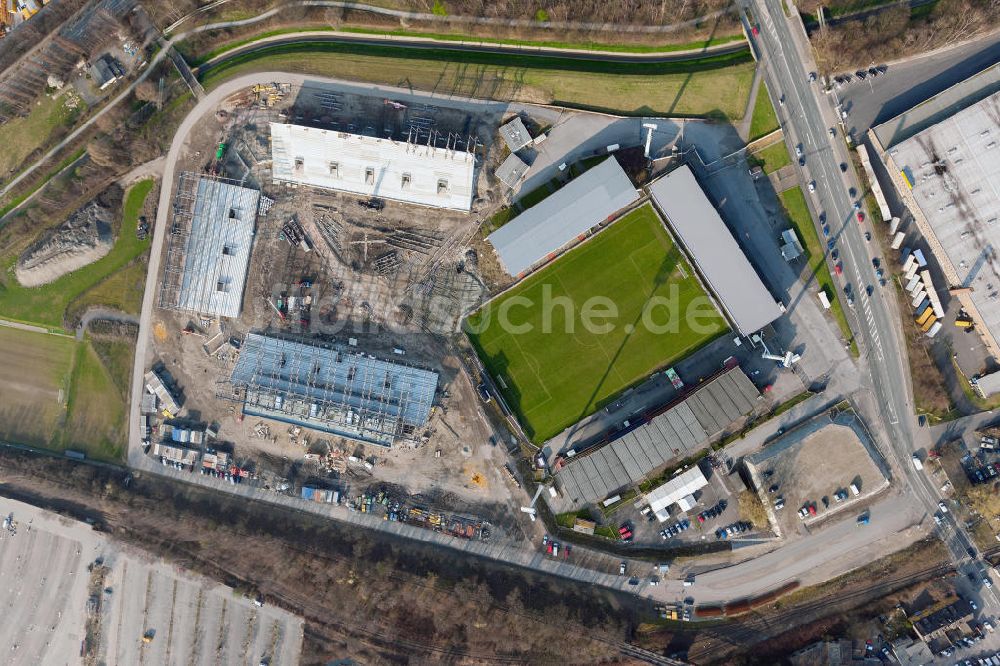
x: 554, y: 375
x: 795, y: 205
x: 55, y: 393
x: 715, y: 87
x: 764, y: 120
x: 451, y: 37
x: 47, y: 304
x: 773, y: 157
x: 22, y: 136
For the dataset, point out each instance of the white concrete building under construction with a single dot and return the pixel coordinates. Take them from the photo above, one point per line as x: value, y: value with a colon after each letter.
x: 209, y: 245
x: 407, y: 171
x: 334, y: 389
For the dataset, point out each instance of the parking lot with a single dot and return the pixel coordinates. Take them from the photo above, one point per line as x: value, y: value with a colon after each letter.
x: 716, y: 502
x: 89, y: 596
x: 822, y: 468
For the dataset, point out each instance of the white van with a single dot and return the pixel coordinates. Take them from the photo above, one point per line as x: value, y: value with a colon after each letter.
x: 916, y: 462
x: 855, y: 490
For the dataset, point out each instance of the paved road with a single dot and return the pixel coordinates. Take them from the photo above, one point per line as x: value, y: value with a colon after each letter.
x: 472, y: 46
x: 806, y: 115
x: 909, y: 82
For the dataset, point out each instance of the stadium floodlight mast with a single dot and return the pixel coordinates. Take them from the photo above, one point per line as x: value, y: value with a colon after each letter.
x: 649, y: 136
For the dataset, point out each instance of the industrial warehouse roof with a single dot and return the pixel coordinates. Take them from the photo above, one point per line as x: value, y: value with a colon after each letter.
x: 954, y: 169
x: 551, y: 224
x: 334, y: 389
x: 511, y: 171
x: 675, y: 433
x: 370, y: 166
x: 218, y: 247
x: 682, y: 485
x: 720, y: 261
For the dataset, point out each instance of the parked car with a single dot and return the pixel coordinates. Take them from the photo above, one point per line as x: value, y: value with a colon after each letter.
x: 621, y: 568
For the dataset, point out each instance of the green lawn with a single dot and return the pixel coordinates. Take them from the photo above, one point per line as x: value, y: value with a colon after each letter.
x: 47, y: 304
x: 563, y: 369
x: 764, y: 120
x: 55, y: 393
x: 773, y: 157
x: 715, y: 86
x: 21, y: 136
x: 794, y: 202
x: 446, y: 37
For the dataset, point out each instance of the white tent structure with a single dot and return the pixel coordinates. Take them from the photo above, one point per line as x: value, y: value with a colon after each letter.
x: 369, y: 166
x: 675, y: 490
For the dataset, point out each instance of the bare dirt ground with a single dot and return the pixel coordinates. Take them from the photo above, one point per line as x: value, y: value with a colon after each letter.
x: 399, y: 278
x: 812, y: 463
x: 56, y: 601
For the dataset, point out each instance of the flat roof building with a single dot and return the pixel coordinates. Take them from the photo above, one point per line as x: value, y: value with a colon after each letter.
x: 515, y: 134
x: 369, y: 166
x: 675, y: 431
x: 511, y: 171
x: 675, y: 490
x: 209, y: 249
x: 550, y: 225
x: 725, y: 269
x: 943, y: 157
x: 334, y: 389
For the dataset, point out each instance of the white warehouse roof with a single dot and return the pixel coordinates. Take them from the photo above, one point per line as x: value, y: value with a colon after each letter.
x: 370, y: 166
x: 218, y: 248
x: 674, y: 490
x: 721, y: 262
x: 564, y: 215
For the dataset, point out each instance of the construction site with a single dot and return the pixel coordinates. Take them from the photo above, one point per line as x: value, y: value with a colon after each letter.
x: 307, y: 323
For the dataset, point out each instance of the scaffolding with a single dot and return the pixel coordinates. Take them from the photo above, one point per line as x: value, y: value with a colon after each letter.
x: 332, y: 389
x: 208, y: 245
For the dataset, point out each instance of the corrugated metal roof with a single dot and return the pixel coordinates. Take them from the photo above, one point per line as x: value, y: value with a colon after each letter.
x: 721, y: 262
x: 551, y: 224
x: 335, y: 389
x: 218, y: 248
x: 678, y: 432
x: 370, y: 166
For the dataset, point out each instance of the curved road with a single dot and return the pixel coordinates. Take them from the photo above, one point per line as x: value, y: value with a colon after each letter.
x: 472, y: 46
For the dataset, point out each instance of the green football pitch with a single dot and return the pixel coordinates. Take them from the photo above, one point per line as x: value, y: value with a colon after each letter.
x: 556, y: 362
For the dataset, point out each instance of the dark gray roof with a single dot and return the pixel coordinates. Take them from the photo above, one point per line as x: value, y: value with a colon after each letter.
x: 551, y: 224
x: 511, y: 171
x: 676, y: 433
x: 720, y: 261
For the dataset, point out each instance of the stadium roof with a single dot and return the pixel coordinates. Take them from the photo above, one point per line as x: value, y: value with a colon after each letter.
x: 334, y: 389
x: 674, y: 433
x: 218, y: 248
x: 954, y: 170
x: 719, y: 259
x: 370, y: 166
x: 515, y: 134
x: 551, y: 224
x: 511, y: 171
x: 682, y: 485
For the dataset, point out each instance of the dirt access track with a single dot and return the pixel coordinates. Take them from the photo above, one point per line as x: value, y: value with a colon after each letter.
x: 54, y: 602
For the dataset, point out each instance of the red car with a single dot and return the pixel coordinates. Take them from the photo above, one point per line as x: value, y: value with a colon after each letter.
x: 549, y: 548
x: 812, y: 509
x: 755, y: 31
x: 838, y: 268
x: 626, y: 536
x: 861, y: 217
